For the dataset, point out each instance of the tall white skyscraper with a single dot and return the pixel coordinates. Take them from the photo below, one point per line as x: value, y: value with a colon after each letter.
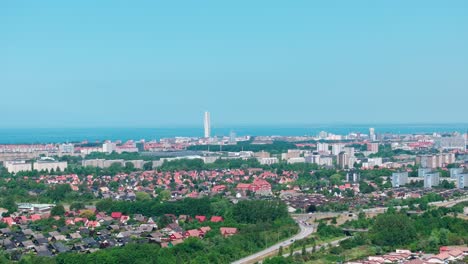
x: 207, y: 125
x: 372, y: 134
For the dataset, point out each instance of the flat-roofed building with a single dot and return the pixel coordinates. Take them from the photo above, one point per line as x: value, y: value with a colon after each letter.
x: 455, y: 171
x: 431, y: 179
x: 399, y: 179
x: 17, y: 166
x: 462, y: 181
x: 48, y: 165
x: 268, y: 161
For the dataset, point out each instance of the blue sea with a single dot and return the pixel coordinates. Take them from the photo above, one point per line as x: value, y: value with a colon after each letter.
x: 58, y: 135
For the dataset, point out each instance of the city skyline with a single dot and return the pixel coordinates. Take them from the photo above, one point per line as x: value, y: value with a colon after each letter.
x: 162, y: 64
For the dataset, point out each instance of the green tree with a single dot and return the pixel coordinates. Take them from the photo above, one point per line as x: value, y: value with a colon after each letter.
x: 164, y: 195
x: 57, y: 210
x: 10, y: 204
x: 142, y: 196
x: 336, y: 179
x: 393, y: 230
x: 77, y: 206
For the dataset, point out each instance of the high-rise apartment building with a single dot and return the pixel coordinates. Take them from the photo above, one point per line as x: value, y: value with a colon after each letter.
x: 399, y: 179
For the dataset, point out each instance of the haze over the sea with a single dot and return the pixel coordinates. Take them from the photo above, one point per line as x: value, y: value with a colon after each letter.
x: 57, y: 135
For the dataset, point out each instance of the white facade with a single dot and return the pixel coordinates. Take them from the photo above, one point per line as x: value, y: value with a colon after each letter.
x: 108, y: 147
x: 462, y: 181
x: 50, y: 165
x: 17, y: 166
x: 207, y: 125
x: 296, y: 160
x: 66, y: 148
x: 431, y: 179
x: 337, y: 148
x: 399, y: 179
x: 322, y: 147
x: 372, y: 134
x: 326, y: 161
x: 268, y: 161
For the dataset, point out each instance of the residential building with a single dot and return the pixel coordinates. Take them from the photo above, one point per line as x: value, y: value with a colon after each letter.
x: 431, y: 179
x: 337, y: 148
x: 296, y: 160
x: 66, y: 148
x: 268, y: 161
x: 352, y: 176
x: 322, y: 147
x: 373, y: 147
x: 455, y: 171
x: 399, y: 179
x: 326, y: 161
x: 462, y: 181
x: 457, y: 142
x: 109, y: 147
x: 423, y: 171
x: 17, y: 166
x: 343, y: 160
x: 49, y: 164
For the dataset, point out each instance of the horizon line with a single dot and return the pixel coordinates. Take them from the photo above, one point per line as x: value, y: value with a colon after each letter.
x: 243, y: 125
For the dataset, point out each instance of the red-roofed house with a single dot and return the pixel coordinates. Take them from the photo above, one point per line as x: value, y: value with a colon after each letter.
x: 93, y: 224
x: 205, y: 229
x: 243, y: 186
x: 228, y: 231
x: 116, y: 215
x: 8, y: 220
x: 218, y: 188
x: 194, y: 233
x: 176, y: 236
x: 35, y: 217
x: 200, y: 218
x: 216, y: 219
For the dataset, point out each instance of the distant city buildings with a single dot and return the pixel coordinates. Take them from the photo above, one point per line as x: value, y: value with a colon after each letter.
x: 435, y: 161
x: 456, y: 142
x: 232, y: 137
x: 67, y: 148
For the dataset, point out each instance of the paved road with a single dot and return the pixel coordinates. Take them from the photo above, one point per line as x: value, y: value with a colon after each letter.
x: 306, y: 230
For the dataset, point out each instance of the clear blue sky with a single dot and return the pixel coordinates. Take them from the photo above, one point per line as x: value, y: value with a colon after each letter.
x: 162, y: 63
